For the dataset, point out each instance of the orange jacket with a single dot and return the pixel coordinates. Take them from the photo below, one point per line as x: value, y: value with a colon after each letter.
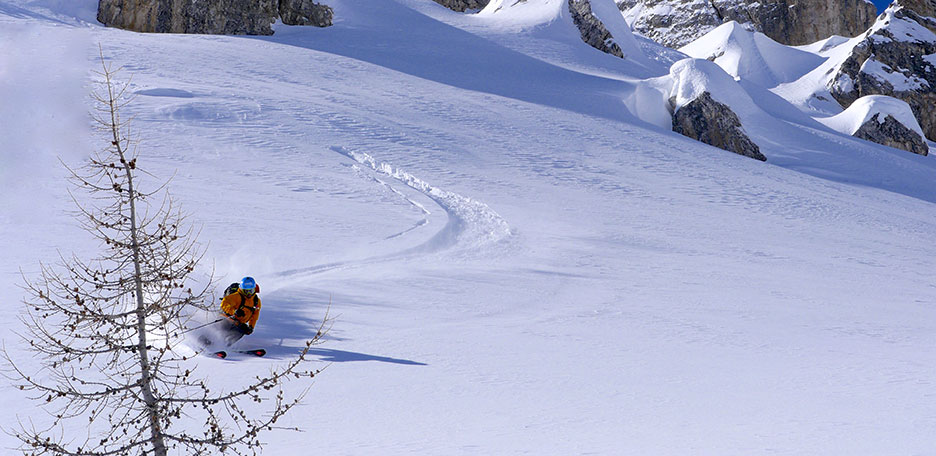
x: 250, y: 306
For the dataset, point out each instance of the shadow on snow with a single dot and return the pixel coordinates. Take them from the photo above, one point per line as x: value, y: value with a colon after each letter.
x: 293, y: 318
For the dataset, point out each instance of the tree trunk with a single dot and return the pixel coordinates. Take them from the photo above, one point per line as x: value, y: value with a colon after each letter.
x: 149, y: 399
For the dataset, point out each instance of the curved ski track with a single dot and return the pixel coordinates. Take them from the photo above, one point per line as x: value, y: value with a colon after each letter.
x: 471, y: 224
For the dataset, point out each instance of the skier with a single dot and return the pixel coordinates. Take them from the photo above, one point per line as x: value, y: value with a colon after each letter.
x: 241, y: 306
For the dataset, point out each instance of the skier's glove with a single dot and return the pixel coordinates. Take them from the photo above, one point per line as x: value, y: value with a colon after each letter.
x: 239, y: 313
x: 245, y: 328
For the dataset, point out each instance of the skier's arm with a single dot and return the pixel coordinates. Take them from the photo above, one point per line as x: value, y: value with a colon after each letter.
x: 229, y: 304
x: 256, y: 314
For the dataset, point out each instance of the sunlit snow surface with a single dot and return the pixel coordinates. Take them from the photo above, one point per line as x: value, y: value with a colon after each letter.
x: 518, y: 264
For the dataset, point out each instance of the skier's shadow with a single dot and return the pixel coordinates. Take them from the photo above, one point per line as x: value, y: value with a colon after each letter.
x: 289, y: 316
x: 341, y: 356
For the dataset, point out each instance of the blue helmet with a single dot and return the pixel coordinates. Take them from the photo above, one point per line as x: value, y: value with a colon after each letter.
x: 248, y: 284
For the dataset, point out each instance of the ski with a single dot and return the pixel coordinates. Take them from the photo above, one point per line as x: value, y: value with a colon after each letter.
x: 219, y: 354
x: 255, y: 352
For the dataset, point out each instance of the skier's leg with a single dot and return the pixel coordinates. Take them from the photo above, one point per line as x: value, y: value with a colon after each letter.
x: 230, y: 333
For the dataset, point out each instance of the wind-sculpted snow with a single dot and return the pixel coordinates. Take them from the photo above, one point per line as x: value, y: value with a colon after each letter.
x: 752, y: 56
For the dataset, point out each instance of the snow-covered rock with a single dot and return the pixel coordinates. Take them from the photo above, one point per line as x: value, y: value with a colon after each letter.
x: 752, y: 56
x: 896, y: 57
x: 676, y: 23
x: 715, y: 124
x: 699, y: 100
x: 703, y: 98
x: 224, y: 17
x: 883, y: 120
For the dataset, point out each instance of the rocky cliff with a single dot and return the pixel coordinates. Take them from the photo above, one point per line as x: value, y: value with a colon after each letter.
x: 225, y: 17
x: 305, y: 12
x: 675, y: 23
x: 897, y: 57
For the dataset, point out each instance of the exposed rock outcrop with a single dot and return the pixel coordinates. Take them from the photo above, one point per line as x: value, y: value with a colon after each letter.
x: 592, y: 29
x: 602, y: 27
x: 897, y: 57
x: 222, y: 17
x: 714, y: 123
x: 463, y: 5
x: 892, y: 133
x: 676, y: 23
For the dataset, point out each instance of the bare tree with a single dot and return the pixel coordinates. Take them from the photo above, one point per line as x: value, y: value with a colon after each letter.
x: 107, y: 330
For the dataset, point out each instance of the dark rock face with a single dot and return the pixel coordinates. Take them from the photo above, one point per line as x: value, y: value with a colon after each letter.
x: 715, y: 124
x: 681, y: 22
x: 221, y: 17
x: 791, y: 22
x: 891, y: 62
x: 305, y: 12
x: 593, y: 31
x: 796, y: 22
x: 892, y: 133
x: 463, y: 5
x: 926, y: 8
x: 228, y: 17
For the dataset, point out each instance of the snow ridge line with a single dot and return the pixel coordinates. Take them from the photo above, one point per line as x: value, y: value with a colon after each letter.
x: 480, y: 224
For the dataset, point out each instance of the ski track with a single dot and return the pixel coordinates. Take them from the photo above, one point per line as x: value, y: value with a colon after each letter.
x: 471, y: 224
x: 474, y: 224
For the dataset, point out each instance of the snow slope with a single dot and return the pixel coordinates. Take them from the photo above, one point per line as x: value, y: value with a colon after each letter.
x: 519, y: 264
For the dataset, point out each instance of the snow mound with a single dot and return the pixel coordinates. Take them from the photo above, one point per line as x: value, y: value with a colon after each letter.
x: 752, y: 56
x: 653, y: 100
x: 692, y: 77
x: 864, y: 108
